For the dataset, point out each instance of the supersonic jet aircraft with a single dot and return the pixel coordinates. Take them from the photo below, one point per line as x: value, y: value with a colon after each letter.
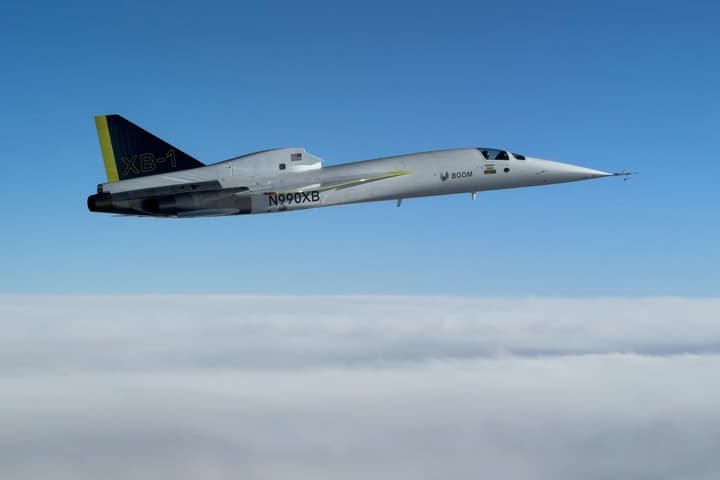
x: 149, y: 177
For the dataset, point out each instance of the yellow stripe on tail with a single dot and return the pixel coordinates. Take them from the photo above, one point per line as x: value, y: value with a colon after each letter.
x: 106, y: 146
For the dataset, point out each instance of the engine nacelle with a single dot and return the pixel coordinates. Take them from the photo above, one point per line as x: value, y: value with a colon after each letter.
x: 101, y: 202
x: 220, y: 201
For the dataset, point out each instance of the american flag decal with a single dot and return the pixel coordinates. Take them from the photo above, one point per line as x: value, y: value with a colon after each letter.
x: 294, y: 157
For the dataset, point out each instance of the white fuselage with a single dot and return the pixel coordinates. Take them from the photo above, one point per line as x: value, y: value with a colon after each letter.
x: 273, y: 181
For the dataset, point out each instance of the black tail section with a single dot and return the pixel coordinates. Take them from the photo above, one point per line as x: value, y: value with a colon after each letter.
x: 129, y: 151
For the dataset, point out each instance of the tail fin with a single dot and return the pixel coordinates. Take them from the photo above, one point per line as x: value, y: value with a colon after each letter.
x: 129, y: 151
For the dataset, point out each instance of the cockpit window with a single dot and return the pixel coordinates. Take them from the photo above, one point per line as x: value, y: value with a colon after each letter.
x: 518, y: 156
x: 494, y: 154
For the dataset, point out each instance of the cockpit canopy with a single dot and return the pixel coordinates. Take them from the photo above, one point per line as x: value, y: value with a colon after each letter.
x: 495, y: 154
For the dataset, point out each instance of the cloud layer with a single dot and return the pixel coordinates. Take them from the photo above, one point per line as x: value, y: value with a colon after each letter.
x: 356, y: 387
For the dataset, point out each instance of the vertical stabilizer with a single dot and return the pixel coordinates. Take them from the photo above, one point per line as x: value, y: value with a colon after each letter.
x: 129, y: 151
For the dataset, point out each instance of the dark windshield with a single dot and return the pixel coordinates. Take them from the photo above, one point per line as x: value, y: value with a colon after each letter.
x: 494, y: 154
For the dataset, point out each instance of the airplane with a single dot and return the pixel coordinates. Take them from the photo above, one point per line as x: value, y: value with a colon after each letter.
x: 149, y: 177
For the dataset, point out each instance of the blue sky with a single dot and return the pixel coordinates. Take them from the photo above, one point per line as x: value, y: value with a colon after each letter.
x: 609, y: 85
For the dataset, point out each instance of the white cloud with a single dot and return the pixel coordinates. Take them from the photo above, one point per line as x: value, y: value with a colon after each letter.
x: 357, y: 387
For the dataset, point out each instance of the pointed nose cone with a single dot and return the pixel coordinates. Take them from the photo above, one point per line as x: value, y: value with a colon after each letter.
x: 557, y: 172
